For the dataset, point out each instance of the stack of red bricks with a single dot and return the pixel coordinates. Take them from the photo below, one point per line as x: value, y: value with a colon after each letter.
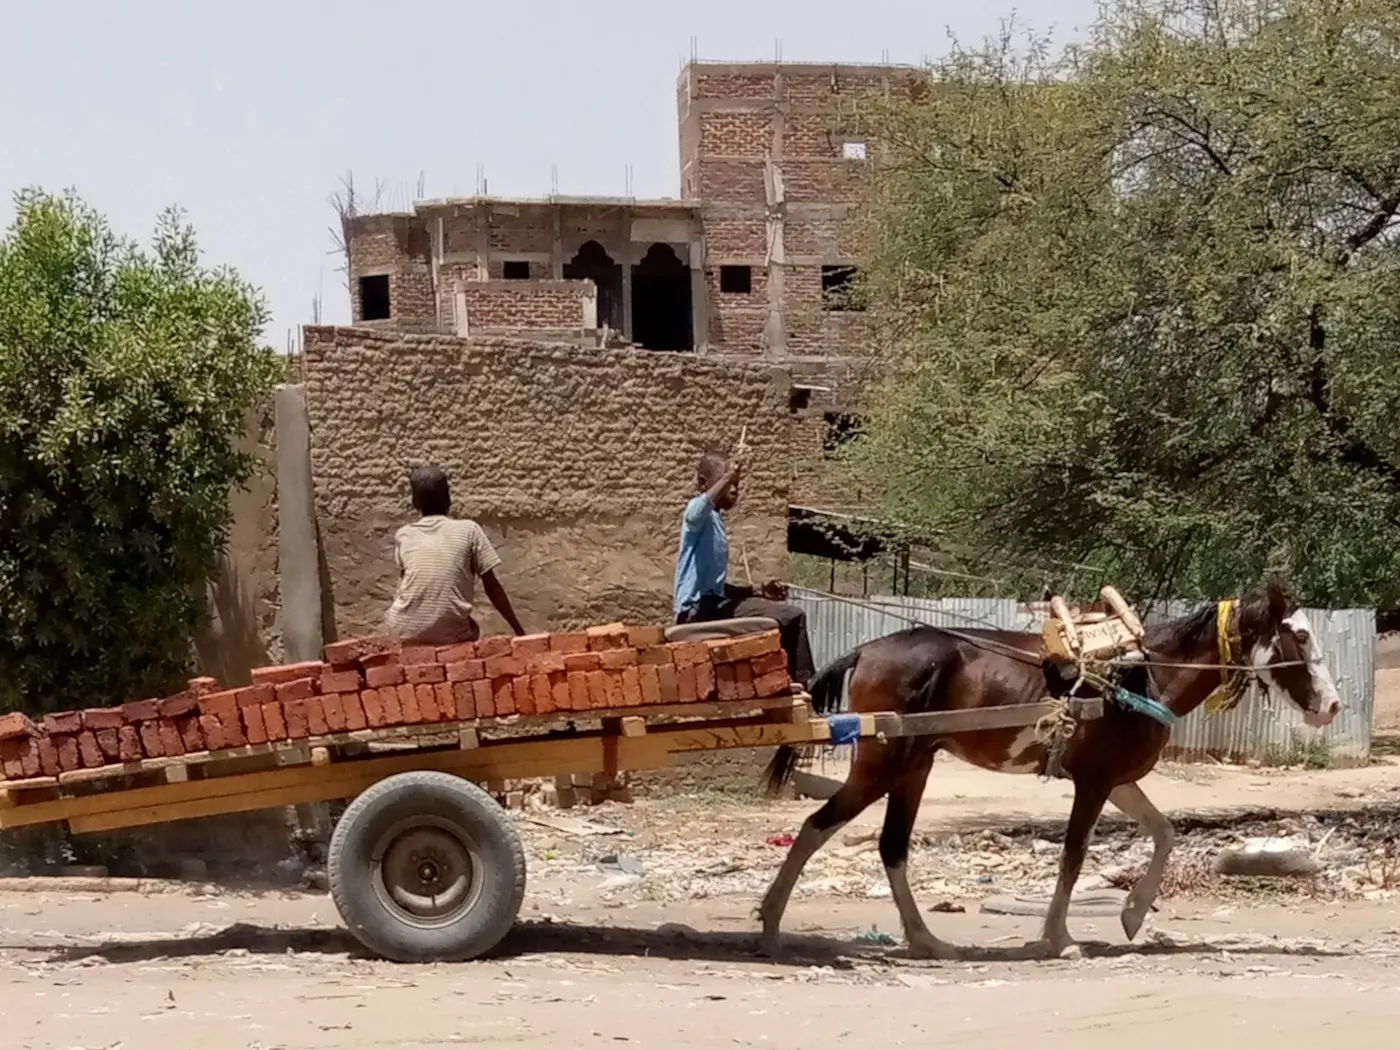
x: 375, y: 683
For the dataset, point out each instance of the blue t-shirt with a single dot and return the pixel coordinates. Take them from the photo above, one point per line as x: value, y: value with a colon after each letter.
x: 703, y: 561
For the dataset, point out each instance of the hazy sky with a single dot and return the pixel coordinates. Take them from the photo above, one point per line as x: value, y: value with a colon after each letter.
x: 245, y: 114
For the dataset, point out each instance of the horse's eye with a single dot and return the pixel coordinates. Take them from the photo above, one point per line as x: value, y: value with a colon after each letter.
x: 1303, y: 638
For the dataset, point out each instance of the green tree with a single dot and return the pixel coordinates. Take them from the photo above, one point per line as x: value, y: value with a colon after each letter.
x: 125, y: 380
x: 1142, y: 299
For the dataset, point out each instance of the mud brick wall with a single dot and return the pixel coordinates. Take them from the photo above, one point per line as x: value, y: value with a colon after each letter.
x: 576, y: 462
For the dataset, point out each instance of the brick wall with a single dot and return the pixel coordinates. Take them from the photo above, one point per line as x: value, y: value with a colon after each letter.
x: 576, y: 462
x: 526, y: 305
x: 396, y: 245
x: 727, y: 133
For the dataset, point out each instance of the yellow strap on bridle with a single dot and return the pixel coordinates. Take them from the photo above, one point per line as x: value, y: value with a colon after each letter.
x: 1232, y: 679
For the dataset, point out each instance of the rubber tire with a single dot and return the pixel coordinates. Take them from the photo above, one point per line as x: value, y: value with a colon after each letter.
x: 502, y: 871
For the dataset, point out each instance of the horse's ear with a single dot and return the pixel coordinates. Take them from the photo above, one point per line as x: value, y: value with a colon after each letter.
x: 1280, y: 604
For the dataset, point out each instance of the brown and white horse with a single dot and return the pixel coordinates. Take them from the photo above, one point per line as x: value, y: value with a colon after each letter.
x: 931, y: 669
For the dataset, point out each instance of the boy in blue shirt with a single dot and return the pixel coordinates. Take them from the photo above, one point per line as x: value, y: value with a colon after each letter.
x: 702, y: 592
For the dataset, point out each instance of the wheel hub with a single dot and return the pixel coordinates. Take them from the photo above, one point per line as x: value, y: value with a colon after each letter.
x: 427, y: 874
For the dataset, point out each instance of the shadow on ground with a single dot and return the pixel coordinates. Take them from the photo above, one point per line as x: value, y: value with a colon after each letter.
x: 672, y: 942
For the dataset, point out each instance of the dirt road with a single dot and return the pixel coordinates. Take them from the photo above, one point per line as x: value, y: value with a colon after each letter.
x: 637, y: 933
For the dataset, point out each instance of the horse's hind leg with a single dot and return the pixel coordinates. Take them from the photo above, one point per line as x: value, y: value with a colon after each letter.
x: 900, y: 813
x: 1089, y: 799
x: 864, y: 784
x: 1130, y: 799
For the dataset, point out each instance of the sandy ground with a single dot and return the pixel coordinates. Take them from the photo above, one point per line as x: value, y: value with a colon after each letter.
x: 667, y: 959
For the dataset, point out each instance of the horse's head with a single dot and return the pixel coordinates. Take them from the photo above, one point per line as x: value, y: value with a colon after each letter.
x: 1284, y: 652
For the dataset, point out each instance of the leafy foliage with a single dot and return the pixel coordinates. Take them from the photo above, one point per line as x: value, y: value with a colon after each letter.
x: 125, y: 379
x: 1143, y: 298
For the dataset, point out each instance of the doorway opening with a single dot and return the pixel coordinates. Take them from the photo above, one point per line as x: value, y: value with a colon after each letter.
x: 661, y: 306
x: 593, y: 263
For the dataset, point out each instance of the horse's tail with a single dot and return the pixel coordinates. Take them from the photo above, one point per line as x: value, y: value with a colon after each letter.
x: 828, y: 691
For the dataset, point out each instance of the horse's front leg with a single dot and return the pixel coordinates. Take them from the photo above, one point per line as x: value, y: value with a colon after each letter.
x: 1130, y: 799
x: 1089, y: 799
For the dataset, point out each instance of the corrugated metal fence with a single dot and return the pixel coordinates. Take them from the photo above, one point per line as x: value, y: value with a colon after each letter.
x: 1272, y: 732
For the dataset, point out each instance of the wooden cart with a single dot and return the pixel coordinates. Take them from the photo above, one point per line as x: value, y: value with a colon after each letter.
x: 424, y: 864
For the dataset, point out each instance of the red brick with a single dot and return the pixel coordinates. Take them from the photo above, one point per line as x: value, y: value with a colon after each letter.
x: 29, y: 759
x: 503, y: 666
x: 617, y: 659
x: 101, y: 718
x: 597, y: 690
x: 385, y: 677
x: 688, y: 654
x: 48, y: 754
x: 650, y: 683
x: 524, y: 699
x: 418, y: 654
x: 150, y: 739
x: 381, y: 660
x: 463, y: 700
x: 560, y: 699
x: 63, y: 722
x: 657, y: 655
x: 254, y: 728
x: 774, y: 683
x: 335, y: 710
x: 212, y: 732
x: 170, y: 743
x: 609, y: 636
x: 128, y: 744
x: 12, y: 757
x: 466, y: 671
x: 631, y: 687
x: 685, y: 684
x: 549, y: 662
x: 408, y: 704
x: 198, y: 687
x: 569, y: 642
x: 354, y: 711
x: 192, y: 737
x: 447, y: 700
x: 300, y: 689
x: 726, y: 683
x: 17, y: 724
x: 426, y: 695
x: 178, y: 706
x: 704, y: 681
x: 223, y: 706
x: 578, y: 691
x: 355, y: 649
x: 424, y: 674
x: 139, y: 711
x: 374, y: 709
x: 390, y: 701
x: 274, y: 721
x: 287, y: 673
x: 70, y: 758
x: 109, y: 743
x: 298, y: 724
x: 583, y: 662
x: 483, y: 698
x: 730, y: 650
x: 670, y: 687
x: 769, y: 662
x: 88, y: 752
x: 503, y: 693
x: 316, y: 716
x: 456, y: 654
x: 255, y: 695
x: 743, y: 680
x: 498, y: 645
x: 541, y: 695
x: 341, y: 682
x: 642, y: 637
x: 527, y: 645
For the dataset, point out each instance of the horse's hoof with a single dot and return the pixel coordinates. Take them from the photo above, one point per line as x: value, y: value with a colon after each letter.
x: 1132, y: 921
x: 1071, y: 953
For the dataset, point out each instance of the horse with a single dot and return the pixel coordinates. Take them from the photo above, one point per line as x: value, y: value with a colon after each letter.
x: 1265, y: 636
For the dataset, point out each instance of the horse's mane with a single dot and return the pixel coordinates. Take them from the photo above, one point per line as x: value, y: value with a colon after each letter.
x: 1198, y: 627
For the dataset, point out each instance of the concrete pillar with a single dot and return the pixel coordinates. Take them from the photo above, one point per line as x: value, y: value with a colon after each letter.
x: 298, y: 554
x: 699, y: 298
x: 627, y: 297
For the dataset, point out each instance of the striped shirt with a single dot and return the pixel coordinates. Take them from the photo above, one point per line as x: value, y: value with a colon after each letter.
x: 439, y: 560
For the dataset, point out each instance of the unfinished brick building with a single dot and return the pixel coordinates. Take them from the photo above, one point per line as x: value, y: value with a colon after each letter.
x: 749, y: 262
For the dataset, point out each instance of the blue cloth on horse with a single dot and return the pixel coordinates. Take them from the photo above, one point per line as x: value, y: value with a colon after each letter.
x: 1145, y: 706
x: 845, y: 728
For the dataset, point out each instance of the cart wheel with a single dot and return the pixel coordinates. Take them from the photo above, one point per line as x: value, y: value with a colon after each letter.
x: 426, y: 866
